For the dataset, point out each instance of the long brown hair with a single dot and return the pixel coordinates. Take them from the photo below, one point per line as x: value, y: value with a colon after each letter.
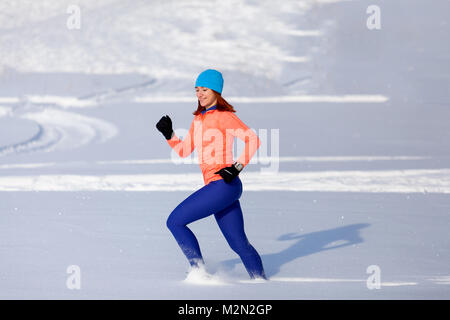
x: 222, y: 105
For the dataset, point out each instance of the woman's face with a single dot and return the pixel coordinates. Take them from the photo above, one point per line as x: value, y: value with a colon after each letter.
x: 206, y: 96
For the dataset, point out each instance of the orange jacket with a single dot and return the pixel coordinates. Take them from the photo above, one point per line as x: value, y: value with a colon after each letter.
x: 212, y: 134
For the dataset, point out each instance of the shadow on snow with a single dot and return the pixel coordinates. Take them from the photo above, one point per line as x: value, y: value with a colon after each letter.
x: 307, y: 244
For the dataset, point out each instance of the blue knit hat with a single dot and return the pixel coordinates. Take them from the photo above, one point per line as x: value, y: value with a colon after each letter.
x: 211, y: 79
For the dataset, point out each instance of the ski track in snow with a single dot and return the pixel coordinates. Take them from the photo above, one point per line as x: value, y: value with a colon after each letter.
x: 194, y: 160
x: 61, y: 130
x: 40, y: 141
x: 200, y: 279
x: 74, y: 129
x: 333, y: 280
x: 444, y: 280
x: 203, y: 278
x: 380, y: 181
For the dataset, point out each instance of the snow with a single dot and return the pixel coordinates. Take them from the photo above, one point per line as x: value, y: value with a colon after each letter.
x: 4, y: 111
x: 277, y: 99
x: 404, y: 181
x: 64, y: 102
x: 353, y: 174
x: 200, y: 276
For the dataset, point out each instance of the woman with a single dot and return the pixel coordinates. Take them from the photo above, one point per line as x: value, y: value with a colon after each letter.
x: 212, y: 132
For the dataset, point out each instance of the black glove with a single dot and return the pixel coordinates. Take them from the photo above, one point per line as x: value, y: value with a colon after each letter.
x: 164, y: 125
x: 228, y: 173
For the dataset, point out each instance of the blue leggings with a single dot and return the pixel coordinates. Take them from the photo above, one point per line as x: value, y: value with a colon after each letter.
x: 222, y: 199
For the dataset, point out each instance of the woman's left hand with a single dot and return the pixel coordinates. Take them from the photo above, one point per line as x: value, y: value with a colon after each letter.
x: 228, y: 173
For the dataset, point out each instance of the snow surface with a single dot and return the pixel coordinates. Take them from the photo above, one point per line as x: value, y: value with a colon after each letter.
x: 353, y: 170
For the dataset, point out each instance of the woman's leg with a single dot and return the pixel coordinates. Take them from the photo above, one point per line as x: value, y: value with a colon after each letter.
x: 231, y: 222
x: 209, y: 199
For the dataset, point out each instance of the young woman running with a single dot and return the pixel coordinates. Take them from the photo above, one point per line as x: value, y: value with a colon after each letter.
x: 212, y: 132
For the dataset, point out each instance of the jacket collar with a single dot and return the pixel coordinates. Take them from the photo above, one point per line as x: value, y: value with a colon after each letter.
x: 209, y: 109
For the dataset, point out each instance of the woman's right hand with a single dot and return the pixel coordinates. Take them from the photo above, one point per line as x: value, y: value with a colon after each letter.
x: 164, y: 125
